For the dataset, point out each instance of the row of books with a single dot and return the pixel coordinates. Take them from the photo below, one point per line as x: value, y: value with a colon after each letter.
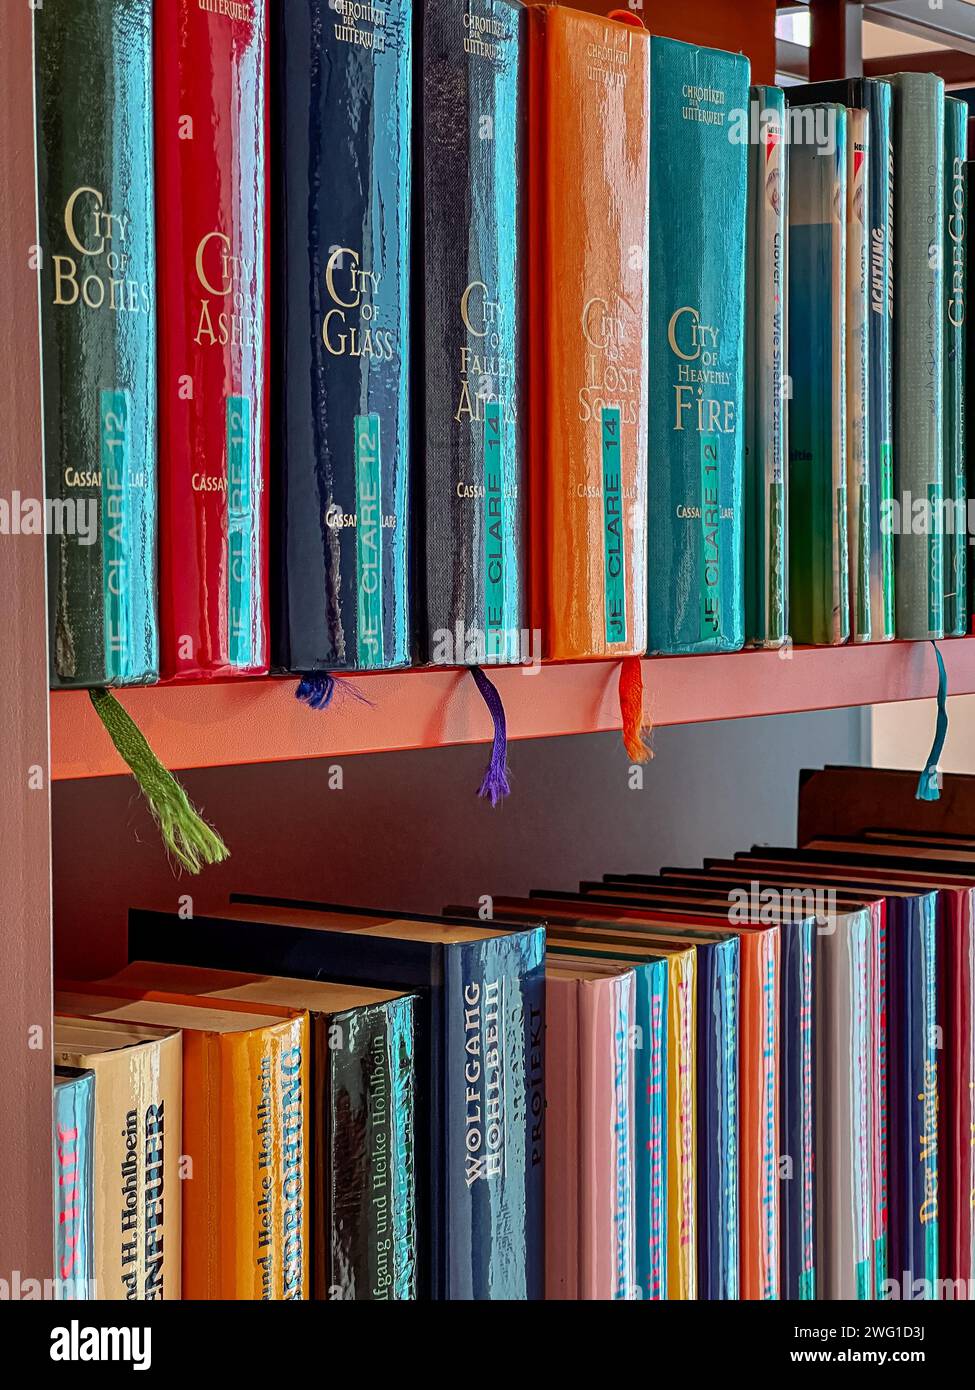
x: 437, y: 322
x: 752, y: 1080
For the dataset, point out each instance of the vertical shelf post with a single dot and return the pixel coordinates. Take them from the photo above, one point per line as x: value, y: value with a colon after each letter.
x: 26, y: 1225
x: 837, y: 39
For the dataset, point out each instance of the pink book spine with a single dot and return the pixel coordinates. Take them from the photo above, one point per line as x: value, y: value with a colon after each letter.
x: 561, y: 1138
x: 606, y: 1265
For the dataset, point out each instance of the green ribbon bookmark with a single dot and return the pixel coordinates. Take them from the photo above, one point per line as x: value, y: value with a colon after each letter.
x: 928, y: 788
x: 185, y: 833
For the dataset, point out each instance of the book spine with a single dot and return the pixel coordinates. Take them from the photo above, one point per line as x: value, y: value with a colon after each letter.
x: 717, y: 1087
x: 589, y: 215
x: 372, y: 1203
x: 211, y: 118
x: 74, y: 1123
x: 818, y: 550
x: 342, y: 97
x: 650, y: 1136
x: 473, y: 67
x: 956, y: 959
x: 606, y: 1247
x: 877, y: 98
x: 766, y: 476
x: 918, y: 353
x: 798, y: 1208
x: 682, y: 1128
x: 914, y: 1097
x: 697, y: 326
x: 98, y: 337
x: 246, y: 1133
x: 493, y: 1126
x: 562, y: 1176
x: 955, y: 296
x: 859, y: 158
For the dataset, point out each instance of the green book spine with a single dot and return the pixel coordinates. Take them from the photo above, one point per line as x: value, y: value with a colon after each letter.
x: 766, y: 476
x: 698, y: 184
x: 818, y: 548
x: 370, y: 1165
x: 919, y: 118
x: 955, y: 294
x: 98, y: 337
x: 859, y: 509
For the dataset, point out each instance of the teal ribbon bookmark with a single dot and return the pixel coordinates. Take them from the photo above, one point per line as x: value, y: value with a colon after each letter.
x: 927, y: 787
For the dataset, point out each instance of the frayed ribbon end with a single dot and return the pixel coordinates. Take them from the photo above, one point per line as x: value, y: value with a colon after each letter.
x: 316, y: 691
x: 929, y: 783
x: 635, y: 726
x: 494, y: 784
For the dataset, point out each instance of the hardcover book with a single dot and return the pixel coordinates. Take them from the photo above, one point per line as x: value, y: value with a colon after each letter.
x: 589, y: 223
x: 211, y: 130
x: 74, y: 1183
x: 244, y: 1134
x: 342, y: 97
x: 705, y: 892
x: 469, y: 339
x: 698, y: 218
x: 93, y: 97
x: 874, y: 96
x: 136, y: 1193
x: 758, y: 1069
x: 766, y: 399
x: 480, y: 1123
x: 919, y: 197
x: 818, y: 549
x: 955, y: 291
x: 589, y: 1190
x: 858, y: 424
x: 362, y: 1192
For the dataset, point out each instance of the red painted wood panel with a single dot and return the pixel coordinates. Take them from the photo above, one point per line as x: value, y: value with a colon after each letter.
x: 746, y: 26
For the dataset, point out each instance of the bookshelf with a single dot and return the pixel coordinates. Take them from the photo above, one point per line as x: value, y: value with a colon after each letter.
x: 261, y: 721
x: 53, y: 738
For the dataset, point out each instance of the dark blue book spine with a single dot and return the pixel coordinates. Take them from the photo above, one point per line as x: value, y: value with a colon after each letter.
x: 717, y: 1119
x: 494, y: 1005
x: 913, y: 1094
x: 472, y: 151
x: 797, y: 1101
x: 342, y: 95
x: 74, y: 1127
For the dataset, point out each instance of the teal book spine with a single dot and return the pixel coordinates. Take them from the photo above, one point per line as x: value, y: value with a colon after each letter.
x: 698, y: 182
x: 917, y: 514
x: 818, y: 547
x: 955, y: 295
x: 879, y: 102
x: 74, y: 1183
x: 858, y: 482
x: 766, y: 403
x: 96, y: 220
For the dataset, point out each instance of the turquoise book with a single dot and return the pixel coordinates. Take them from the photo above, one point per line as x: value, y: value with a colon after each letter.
x: 766, y: 401
x: 858, y: 420
x: 955, y: 294
x: 917, y: 513
x: 698, y: 183
x: 818, y: 545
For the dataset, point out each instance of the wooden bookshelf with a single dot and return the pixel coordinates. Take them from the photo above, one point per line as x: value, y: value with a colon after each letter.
x: 261, y: 721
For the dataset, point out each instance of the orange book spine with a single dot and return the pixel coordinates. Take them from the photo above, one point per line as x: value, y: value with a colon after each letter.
x: 589, y: 224
x: 245, y: 1131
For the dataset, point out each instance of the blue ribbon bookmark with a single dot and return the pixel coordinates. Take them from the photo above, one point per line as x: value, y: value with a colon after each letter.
x: 928, y: 788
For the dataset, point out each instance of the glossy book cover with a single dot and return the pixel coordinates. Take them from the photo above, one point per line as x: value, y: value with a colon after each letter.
x: 698, y: 219
x: 74, y: 1184
x: 875, y: 97
x: 919, y: 198
x: 212, y: 201
x: 93, y: 97
x: 589, y: 225
x: 859, y: 157
x: 818, y: 547
x: 469, y: 345
x: 766, y: 400
x: 341, y: 178
x: 955, y: 420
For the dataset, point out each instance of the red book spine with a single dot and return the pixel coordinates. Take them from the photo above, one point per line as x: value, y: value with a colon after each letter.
x: 211, y: 126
